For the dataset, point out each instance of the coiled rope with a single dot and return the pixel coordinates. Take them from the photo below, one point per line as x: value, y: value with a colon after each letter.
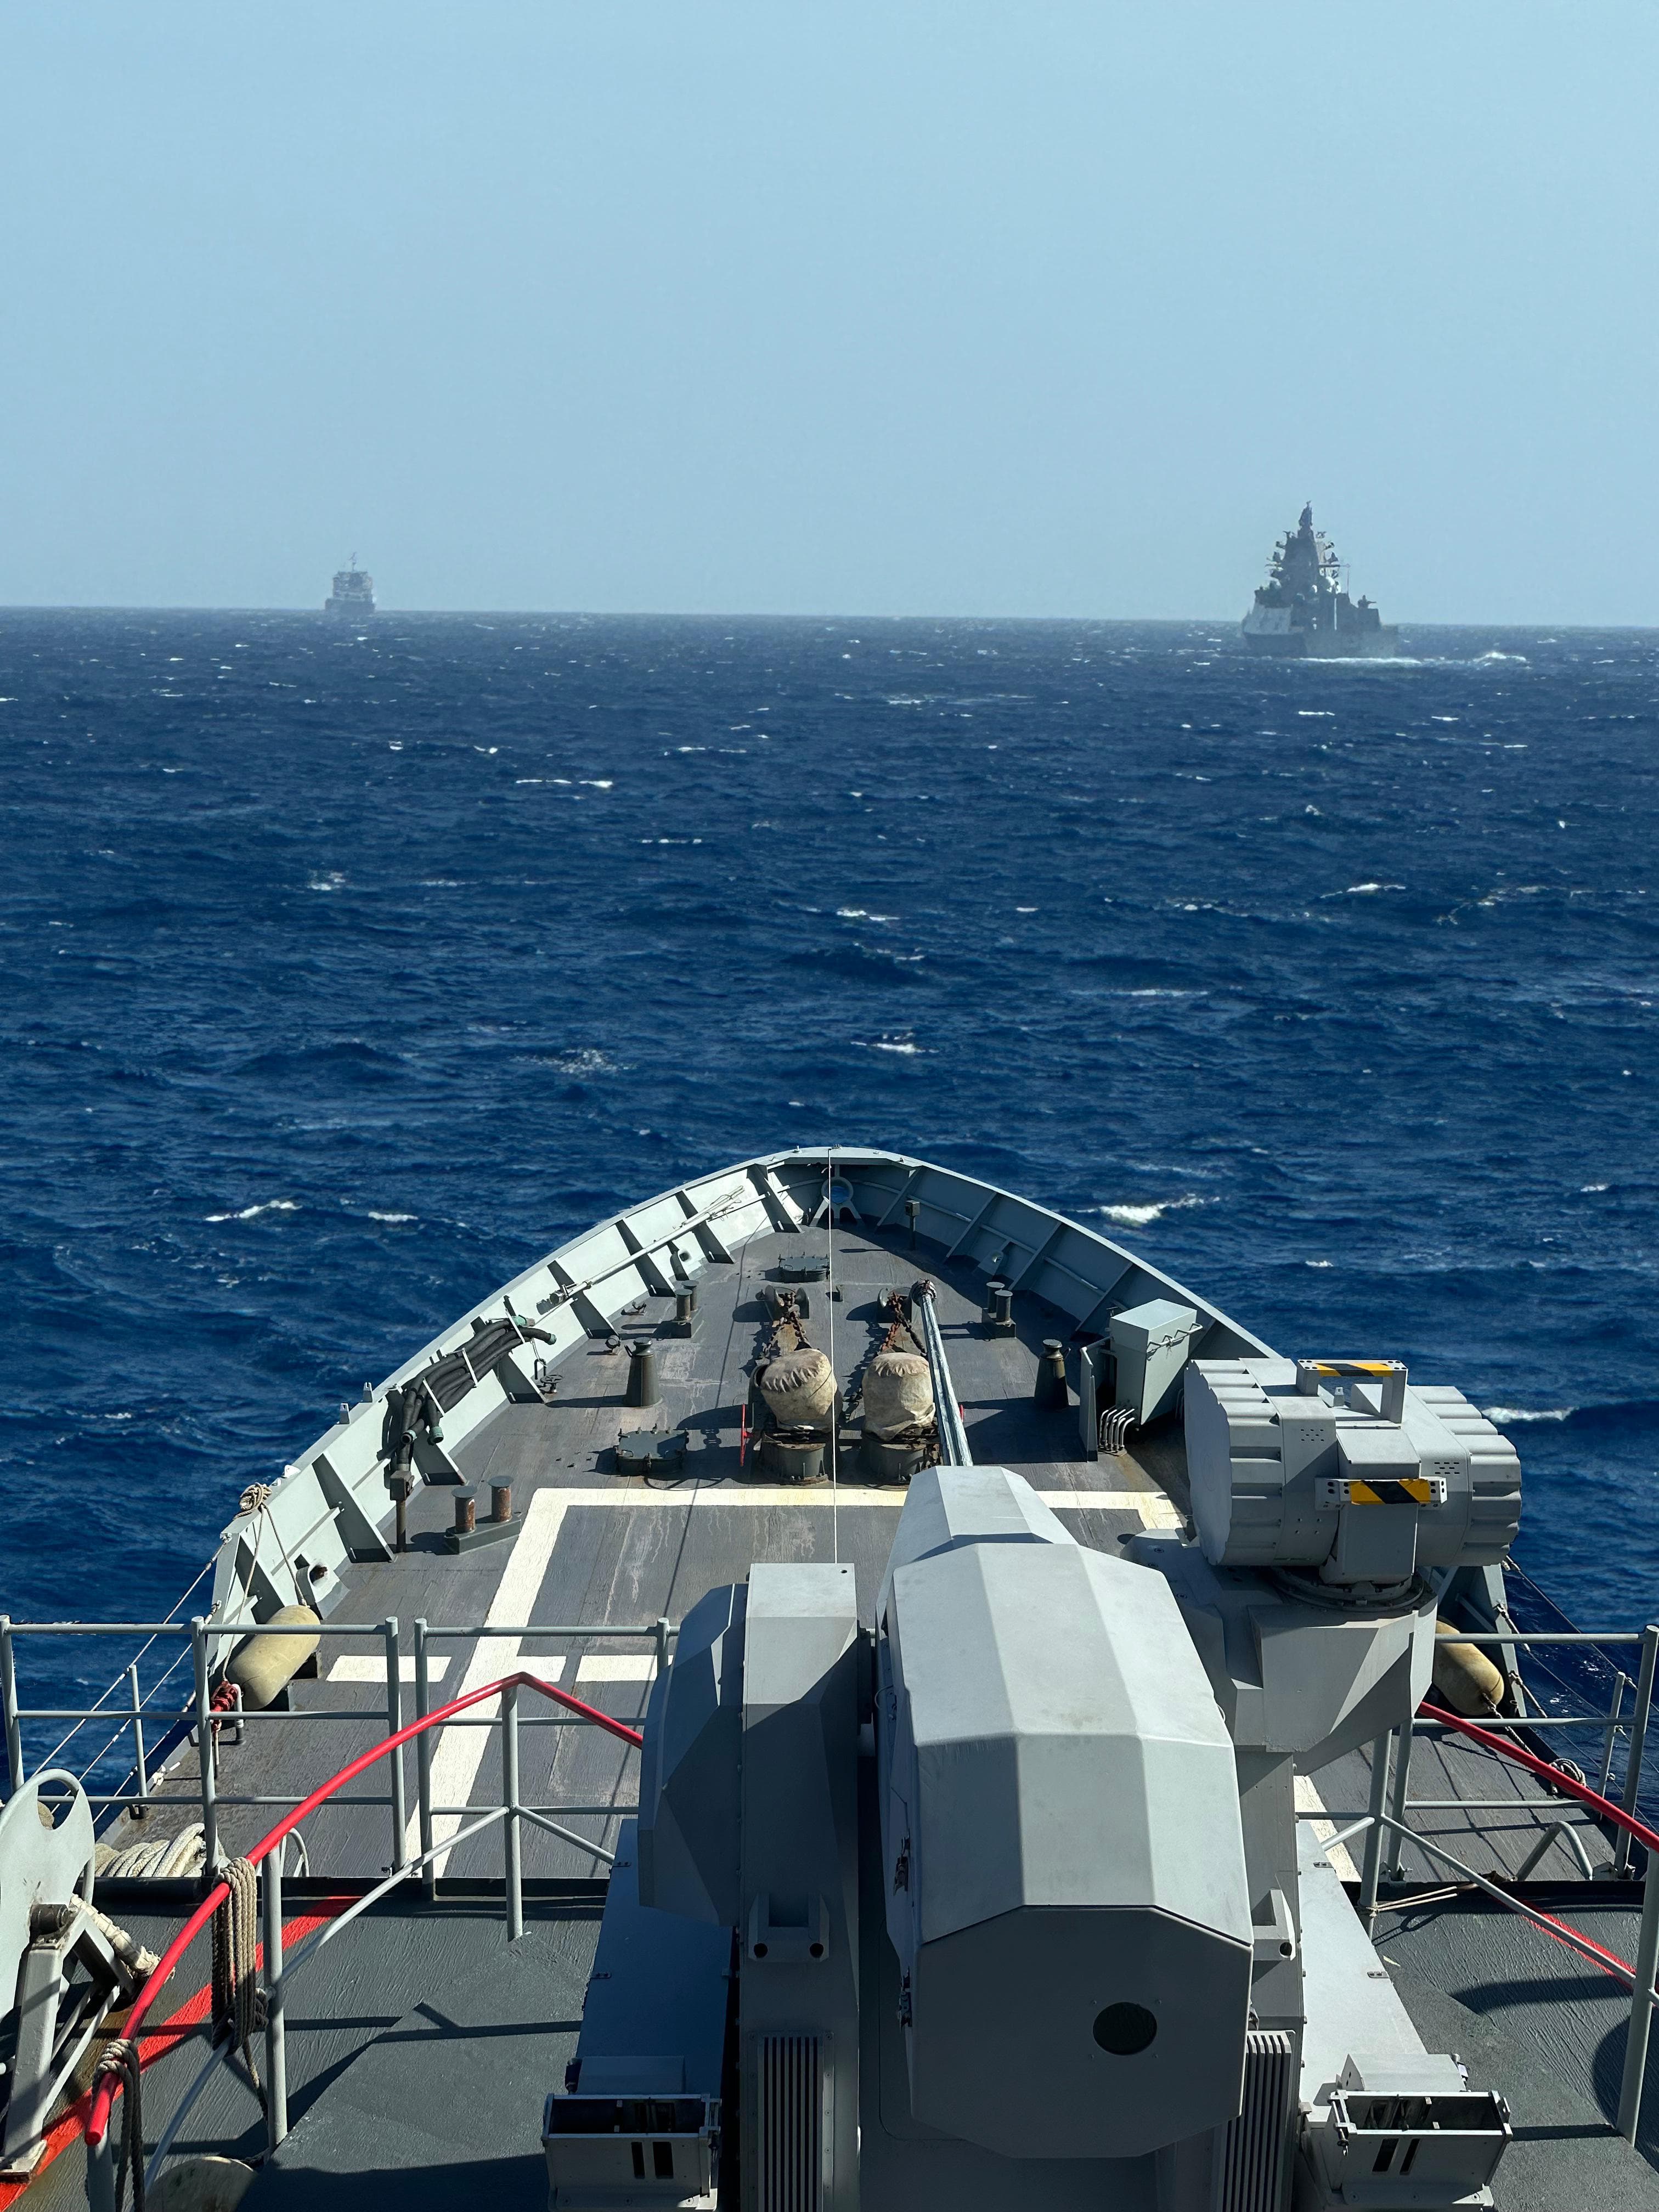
x: 254, y: 1499
x: 48, y: 1923
x: 120, y: 2059
x: 238, y: 2007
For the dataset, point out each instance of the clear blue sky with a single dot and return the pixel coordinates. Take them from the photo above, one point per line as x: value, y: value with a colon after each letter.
x: 1028, y: 309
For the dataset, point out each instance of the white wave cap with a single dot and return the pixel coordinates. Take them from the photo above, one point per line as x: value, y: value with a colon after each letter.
x: 1139, y: 1217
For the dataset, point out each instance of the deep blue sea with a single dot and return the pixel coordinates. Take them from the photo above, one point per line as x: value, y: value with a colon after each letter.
x: 344, y: 975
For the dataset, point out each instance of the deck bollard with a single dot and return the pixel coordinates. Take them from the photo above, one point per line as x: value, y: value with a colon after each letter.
x: 1050, y: 1389
x: 501, y: 1501
x: 276, y: 2027
x: 642, y: 1388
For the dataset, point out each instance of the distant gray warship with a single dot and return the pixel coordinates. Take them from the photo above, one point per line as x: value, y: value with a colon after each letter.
x: 1301, y: 609
x: 353, y: 593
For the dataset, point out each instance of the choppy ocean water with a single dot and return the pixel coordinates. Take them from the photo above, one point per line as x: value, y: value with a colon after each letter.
x: 345, y: 974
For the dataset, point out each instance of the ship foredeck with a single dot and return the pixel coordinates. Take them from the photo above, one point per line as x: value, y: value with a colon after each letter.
x: 597, y: 1549
x: 427, y: 2042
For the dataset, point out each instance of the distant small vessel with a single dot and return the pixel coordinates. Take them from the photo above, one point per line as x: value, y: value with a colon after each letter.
x: 1302, y: 609
x: 353, y: 593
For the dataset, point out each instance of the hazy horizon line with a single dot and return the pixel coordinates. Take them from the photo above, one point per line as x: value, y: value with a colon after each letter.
x: 754, y: 615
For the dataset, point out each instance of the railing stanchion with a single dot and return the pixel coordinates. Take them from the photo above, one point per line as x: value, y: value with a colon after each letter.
x: 1615, y: 1721
x: 140, y: 1767
x: 275, y: 2025
x: 662, y: 1643
x: 510, y: 1835
x: 1372, y: 1869
x: 198, y: 1646
x: 423, y: 1756
x: 1402, y: 1763
x: 16, y: 1776
x: 394, y: 1721
x: 1638, y: 1737
x: 1641, y: 2000
x: 511, y: 1813
x: 100, y: 2174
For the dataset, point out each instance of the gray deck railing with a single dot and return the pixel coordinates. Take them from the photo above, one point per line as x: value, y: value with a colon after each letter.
x: 1385, y: 1819
x: 167, y: 1727
x: 510, y: 1814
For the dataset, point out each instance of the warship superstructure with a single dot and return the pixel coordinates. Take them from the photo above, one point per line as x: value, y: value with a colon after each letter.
x: 841, y: 1689
x: 353, y: 594
x: 1302, y: 609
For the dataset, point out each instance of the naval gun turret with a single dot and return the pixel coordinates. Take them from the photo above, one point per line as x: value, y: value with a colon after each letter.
x: 1064, y: 1864
x: 1009, y: 1885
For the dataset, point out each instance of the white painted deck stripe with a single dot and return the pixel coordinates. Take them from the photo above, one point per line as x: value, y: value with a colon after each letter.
x: 370, y: 1667
x: 1149, y: 1502
x: 772, y: 1495
x: 1308, y: 1800
x: 618, y: 1667
x: 459, y: 1752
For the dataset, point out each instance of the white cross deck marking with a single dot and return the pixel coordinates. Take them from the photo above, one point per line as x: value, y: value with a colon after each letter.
x: 1150, y: 1503
x: 619, y: 1667
x: 370, y: 1667
x: 458, y: 1753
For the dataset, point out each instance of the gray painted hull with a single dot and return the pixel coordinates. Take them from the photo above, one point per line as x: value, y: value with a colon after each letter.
x: 1324, y: 645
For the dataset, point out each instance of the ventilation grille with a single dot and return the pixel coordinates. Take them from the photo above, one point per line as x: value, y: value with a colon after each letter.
x: 791, y: 2101
x: 1253, y: 2163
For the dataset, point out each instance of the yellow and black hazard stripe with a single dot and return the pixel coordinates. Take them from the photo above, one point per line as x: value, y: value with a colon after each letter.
x: 1409, y: 1489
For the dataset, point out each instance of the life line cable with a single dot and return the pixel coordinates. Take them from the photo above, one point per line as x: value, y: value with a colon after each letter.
x: 98, y: 2118
x: 1559, y: 1931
